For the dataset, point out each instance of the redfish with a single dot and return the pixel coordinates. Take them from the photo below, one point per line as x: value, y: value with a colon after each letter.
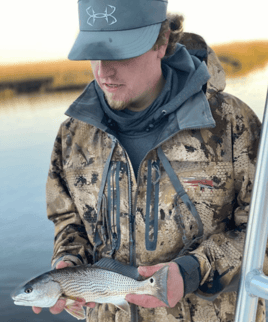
x: 109, y: 283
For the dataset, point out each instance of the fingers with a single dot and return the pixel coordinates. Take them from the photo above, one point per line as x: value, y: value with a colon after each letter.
x: 36, y: 309
x: 148, y: 271
x: 63, y: 264
x: 145, y: 300
x: 58, y: 307
x: 91, y: 305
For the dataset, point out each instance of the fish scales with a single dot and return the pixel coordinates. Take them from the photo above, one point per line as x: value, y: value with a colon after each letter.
x: 82, y: 284
x: 95, y: 283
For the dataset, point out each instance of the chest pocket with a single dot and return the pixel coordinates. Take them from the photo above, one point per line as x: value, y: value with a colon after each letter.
x: 209, y: 182
x: 181, y: 193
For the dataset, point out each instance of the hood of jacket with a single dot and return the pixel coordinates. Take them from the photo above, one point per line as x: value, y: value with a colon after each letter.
x: 197, y: 46
x: 203, y: 75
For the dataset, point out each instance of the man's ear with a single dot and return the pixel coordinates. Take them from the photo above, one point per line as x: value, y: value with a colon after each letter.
x: 162, y: 49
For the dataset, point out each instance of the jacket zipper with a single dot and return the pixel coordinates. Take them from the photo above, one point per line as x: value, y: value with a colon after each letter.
x: 132, y: 253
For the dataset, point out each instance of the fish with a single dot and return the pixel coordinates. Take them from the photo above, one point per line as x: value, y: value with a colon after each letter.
x: 108, y: 281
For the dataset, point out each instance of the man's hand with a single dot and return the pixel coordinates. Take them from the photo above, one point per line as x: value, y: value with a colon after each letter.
x: 59, y: 306
x: 174, y: 287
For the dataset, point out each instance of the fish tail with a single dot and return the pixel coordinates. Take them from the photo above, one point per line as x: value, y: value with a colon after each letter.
x: 159, y: 284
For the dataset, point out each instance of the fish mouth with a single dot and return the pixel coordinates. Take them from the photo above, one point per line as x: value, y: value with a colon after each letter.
x: 18, y: 299
x: 21, y: 302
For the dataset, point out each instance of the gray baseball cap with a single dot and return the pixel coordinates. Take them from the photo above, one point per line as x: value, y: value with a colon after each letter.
x: 117, y: 29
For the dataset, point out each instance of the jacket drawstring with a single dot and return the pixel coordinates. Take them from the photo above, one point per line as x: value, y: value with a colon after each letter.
x: 184, y: 197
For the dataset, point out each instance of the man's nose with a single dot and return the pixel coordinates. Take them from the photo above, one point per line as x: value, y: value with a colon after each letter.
x: 106, y: 68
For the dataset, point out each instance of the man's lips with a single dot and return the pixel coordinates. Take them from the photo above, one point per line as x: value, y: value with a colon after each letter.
x: 111, y: 87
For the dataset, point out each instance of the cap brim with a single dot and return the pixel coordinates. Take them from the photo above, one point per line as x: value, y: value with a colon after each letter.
x: 114, y: 45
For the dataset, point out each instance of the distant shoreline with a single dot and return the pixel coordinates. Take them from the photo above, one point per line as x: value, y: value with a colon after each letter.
x: 238, y: 59
x: 43, y: 77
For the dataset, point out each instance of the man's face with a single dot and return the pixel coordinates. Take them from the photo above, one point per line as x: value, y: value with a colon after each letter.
x: 131, y: 82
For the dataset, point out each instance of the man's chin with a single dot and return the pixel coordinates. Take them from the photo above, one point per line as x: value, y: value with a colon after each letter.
x: 116, y: 105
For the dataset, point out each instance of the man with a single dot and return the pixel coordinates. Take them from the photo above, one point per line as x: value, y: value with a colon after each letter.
x: 155, y: 164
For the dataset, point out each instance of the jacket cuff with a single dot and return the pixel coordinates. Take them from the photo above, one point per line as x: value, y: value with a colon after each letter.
x: 190, y: 272
x: 75, y: 259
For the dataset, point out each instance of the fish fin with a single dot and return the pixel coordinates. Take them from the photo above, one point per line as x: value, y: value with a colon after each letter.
x: 117, y: 267
x: 160, y: 280
x: 122, y: 304
x: 75, y: 309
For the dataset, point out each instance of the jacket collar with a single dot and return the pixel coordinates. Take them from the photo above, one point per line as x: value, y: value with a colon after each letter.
x: 87, y: 108
x: 193, y: 112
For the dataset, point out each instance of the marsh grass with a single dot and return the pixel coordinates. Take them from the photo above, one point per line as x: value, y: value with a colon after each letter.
x: 43, y: 76
x: 240, y: 58
x: 237, y: 59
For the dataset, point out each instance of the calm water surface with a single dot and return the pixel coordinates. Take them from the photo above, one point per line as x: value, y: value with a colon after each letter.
x: 28, y: 128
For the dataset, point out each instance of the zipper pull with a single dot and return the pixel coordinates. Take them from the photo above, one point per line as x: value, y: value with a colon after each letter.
x: 103, y: 234
x: 156, y: 166
x: 114, y: 243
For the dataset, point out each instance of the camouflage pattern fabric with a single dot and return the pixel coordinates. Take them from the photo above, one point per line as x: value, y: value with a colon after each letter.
x: 216, y: 168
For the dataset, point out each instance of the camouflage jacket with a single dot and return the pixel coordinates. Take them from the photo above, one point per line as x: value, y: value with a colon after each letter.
x: 98, y: 206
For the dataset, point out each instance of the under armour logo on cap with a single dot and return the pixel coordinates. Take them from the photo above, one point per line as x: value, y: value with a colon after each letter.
x: 107, y: 15
x: 93, y: 15
x: 117, y: 29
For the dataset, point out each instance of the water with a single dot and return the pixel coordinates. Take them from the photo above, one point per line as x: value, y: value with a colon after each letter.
x: 28, y: 128
x: 251, y: 89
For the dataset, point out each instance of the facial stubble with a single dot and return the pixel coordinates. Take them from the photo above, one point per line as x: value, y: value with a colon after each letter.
x: 116, y: 104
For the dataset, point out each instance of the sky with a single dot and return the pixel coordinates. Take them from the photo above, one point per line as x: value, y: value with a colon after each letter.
x: 33, y: 30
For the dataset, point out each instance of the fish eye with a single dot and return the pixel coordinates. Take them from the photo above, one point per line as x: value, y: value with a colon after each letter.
x: 151, y: 280
x: 28, y: 290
